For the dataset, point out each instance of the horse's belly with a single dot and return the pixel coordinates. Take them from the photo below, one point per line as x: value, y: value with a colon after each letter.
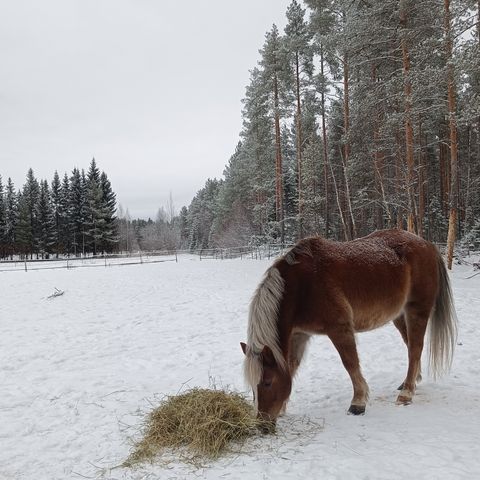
x: 378, y: 299
x: 374, y: 318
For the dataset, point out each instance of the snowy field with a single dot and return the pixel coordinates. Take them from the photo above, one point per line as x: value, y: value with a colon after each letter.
x: 77, y: 372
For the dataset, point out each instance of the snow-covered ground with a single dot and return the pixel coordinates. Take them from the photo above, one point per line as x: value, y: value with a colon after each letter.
x: 77, y: 372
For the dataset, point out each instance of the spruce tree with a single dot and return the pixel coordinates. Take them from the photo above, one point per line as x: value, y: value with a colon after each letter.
x: 11, y: 218
x: 93, y: 174
x: 94, y: 215
x: 3, y: 222
x: 30, y: 196
x: 24, y: 237
x: 65, y: 226
x: 46, y: 229
x: 183, y: 226
x: 109, y: 206
x: 76, y: 212
x: 55, y: 200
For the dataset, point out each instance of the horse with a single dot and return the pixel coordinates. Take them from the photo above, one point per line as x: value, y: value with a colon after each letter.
x: 338, y: 289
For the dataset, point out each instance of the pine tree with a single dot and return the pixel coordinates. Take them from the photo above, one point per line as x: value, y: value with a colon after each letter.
x: 256, y: 153
x: 322, y: 24
x: 300, y: 56
x: 273, y: 62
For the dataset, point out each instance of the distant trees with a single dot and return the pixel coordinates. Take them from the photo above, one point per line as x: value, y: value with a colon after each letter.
x: 163, y: 233
x: 74, y: 216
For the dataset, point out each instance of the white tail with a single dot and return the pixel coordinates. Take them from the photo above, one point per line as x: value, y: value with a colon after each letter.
x: 442, y: 326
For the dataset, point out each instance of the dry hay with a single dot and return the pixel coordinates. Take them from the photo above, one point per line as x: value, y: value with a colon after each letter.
x: 200, y: 424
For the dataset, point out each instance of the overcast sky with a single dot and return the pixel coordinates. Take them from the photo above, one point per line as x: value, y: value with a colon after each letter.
x: 151, y: 89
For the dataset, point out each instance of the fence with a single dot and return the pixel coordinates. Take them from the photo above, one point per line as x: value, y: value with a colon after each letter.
x: 137, y: 258
x: 256, y: 253
x: 109, y: 260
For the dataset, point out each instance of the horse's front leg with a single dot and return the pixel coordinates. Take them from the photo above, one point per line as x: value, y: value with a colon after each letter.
x: 343, y: 338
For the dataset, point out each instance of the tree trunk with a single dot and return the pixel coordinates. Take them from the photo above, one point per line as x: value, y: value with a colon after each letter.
x: 352, y: 233
x: 325, y: 149
x: 408, y: 120
x: 299, y: 147
x: 382, y: 206
x: 399, y: 181
x: 467, y: 221
x: 444, y: 176
x: 421, y: 186
x: 339, y: 204
x: 452, y: 107
x: 278, y: 163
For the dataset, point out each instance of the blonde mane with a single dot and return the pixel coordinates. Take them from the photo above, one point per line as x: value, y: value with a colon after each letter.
x: 262, y: 325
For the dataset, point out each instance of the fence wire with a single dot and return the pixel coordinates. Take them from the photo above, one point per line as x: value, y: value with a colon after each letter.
x: 139, y: 258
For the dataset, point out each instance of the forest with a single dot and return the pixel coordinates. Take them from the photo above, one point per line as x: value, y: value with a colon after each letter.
x: 69, y: 216
x: 359, y: 116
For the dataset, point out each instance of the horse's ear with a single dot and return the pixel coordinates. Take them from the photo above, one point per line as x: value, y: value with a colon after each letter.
x: 244, y: 347
x: 268, y: 357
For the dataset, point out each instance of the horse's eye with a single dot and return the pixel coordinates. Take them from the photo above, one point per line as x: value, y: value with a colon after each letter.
x: 267, y: 383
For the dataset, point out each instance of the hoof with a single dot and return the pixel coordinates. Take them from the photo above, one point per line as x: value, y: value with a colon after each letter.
x: 356, y: 410
x: 404, y: 399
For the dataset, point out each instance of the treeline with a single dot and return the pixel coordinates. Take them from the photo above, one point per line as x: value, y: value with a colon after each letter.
x: 359, y: 116
x: 70, y: 216
x: 163, y: 233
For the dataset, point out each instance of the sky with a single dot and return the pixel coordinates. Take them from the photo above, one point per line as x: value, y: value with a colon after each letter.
x: 151, y: 89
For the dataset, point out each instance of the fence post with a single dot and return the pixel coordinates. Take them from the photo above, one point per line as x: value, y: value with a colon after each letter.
x: 105, y: 258
x: 176, y: 258
x: 25, y: 259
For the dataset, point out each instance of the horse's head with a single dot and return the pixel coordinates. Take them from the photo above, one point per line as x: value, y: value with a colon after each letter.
x: 270, y: 382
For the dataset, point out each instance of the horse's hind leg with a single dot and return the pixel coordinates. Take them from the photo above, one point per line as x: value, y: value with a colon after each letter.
x: 416, y: 325
x: 401, y: 325
x: 343, y: 338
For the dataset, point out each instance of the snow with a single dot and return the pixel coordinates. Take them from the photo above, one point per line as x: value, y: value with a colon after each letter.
x: 78, y: 372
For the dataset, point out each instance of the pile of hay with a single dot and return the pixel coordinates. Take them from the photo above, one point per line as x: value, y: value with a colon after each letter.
x: 199, y: 424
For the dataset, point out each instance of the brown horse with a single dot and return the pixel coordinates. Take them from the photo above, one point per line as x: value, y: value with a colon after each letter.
x: 338, y: 289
